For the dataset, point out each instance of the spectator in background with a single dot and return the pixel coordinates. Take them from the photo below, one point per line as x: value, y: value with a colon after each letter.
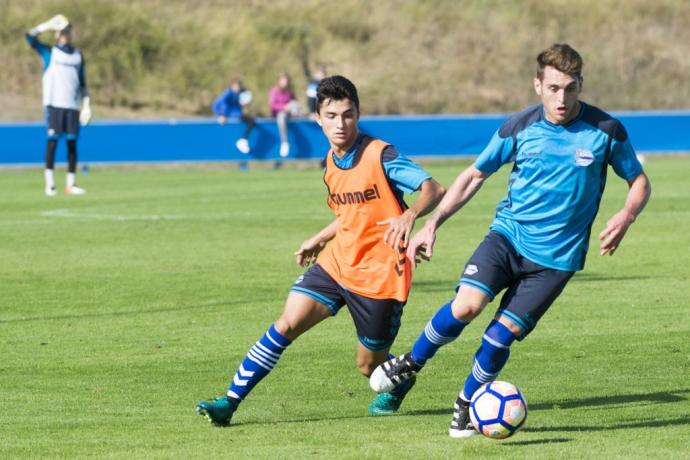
x: 314, y: 79
x: 231, y: 104
x: 283, y: 105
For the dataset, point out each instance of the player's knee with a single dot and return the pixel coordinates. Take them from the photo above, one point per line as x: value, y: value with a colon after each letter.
x: 286, y: 328
x: 466, y: 309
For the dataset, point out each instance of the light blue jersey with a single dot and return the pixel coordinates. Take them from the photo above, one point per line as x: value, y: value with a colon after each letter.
x: 404, y: 175
x: 558, y: 178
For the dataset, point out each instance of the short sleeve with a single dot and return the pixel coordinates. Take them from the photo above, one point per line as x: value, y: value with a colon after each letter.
x: 402, y: 173
x: 498, y: 152
x: 623, y: 158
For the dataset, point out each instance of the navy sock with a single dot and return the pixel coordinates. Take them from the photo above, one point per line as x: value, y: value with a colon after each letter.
x: 443, y: 328
x: 489, y: 359
x: 260, y: 360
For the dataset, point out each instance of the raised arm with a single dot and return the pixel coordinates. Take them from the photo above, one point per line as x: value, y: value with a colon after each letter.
x: 639, y: 191
x: 463, y: 189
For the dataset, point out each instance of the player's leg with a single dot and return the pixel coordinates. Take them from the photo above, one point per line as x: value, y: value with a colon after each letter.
x: 484, y: 275
x: 51, y: 146
x: 377, y: 322
x: 71, y: 120
x: 312, y: 299
x: 242, y: 143
x: 282, y: 121
x: 521, y: 308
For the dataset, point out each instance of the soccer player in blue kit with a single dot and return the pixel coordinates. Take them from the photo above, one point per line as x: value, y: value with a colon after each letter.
x: 560, y: 150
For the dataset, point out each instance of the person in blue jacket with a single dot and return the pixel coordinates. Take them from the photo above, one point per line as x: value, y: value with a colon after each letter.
x: 231, y: 104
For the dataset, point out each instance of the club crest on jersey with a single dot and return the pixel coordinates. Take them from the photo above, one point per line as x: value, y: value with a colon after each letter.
x: 371, y: 193
x: 583, y: 157
x: 471, y: 269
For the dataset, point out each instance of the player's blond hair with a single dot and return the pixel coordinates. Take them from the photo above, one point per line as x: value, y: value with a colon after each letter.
x: 563, y: 58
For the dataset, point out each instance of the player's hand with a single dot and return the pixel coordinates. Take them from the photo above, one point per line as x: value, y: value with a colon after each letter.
x: 222, y: 120
x: 614, y: 232
x: 57, y: 22
x: 399, y: 228
x: 308, y: 252
x: 85, y: 112
x: 421, y: 247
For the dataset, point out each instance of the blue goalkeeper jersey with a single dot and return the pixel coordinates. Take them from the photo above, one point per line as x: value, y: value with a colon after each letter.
x: 558, y: 178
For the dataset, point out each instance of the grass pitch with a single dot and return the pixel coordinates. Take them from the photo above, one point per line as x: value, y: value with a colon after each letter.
x: 122, y: 308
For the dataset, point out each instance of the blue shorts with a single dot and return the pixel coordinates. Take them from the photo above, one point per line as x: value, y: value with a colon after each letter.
x: 530, y: 288
x: 377, y: 320
x: 62, y: 122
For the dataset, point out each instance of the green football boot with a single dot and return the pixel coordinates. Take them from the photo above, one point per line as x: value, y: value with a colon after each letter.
x: 389, y: 402
x: 218, y: 410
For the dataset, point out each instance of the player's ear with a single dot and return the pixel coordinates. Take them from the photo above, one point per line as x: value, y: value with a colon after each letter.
x: 537, y: 86
x: 318, y: 119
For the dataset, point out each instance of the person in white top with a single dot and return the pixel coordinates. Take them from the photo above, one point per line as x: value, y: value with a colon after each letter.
x: 65, y: 97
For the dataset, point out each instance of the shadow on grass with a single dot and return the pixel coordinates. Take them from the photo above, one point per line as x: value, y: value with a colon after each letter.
x: 617, y: 426
x: 436, y: 286
x: 134, y: 312
x: 535, y: 442
x: 662, y: 397
x: 587, y: 277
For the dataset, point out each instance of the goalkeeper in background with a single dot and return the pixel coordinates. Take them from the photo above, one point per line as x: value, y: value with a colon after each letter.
x: 64, y: 93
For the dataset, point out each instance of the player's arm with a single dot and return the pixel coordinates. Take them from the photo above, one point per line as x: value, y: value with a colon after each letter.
x: 639, y: 192
x: 41, y: 48
x: 310, y: 249
x: 465, y: 186
x: 400, y: 227
x: 85, y: 113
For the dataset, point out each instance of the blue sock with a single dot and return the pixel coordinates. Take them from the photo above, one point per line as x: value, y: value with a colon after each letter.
x: 489, y: 359
x: 442, y: 329
x: 258, y: 363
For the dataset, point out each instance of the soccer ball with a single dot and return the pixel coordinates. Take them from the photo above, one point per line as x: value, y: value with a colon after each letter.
x: 498, y: 409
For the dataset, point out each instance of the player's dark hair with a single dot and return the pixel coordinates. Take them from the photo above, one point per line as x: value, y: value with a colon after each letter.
x: 336, y: 88
x: 563, y: 58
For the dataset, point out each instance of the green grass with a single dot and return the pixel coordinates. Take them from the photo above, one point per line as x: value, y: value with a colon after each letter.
x: 122, y: 308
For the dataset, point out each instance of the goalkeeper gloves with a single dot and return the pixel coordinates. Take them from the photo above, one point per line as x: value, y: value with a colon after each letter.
x: 85, y: 113
x: 57, y: 22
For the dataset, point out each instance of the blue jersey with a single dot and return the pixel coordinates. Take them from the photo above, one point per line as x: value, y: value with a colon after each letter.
x: 404, y: 176
x: 558, y: 178
x: 227, y: 104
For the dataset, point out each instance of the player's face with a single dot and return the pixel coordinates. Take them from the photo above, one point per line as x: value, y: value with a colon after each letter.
x: 338, y: 119
x: 559, y: 93
x: 64, y: 37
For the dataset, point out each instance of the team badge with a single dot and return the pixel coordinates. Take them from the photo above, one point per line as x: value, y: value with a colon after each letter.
x: 471, y: 269
x: 583, y: 157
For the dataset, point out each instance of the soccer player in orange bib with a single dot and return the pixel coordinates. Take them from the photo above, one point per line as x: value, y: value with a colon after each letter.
x: 358, y: 259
